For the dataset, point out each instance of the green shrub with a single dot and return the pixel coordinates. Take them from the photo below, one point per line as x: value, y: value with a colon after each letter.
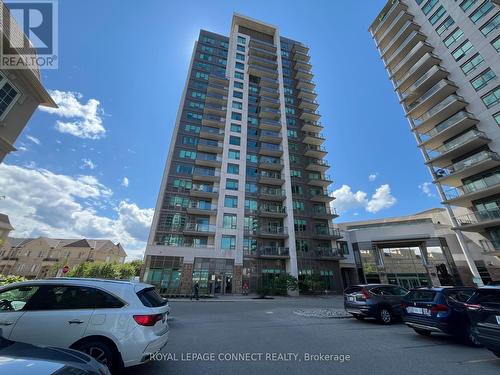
x: 9, y: 279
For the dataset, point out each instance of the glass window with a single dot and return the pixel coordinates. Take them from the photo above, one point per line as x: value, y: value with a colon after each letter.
x: 251, y: 205
x: 236, y: 128
x: 64, y: 297
x: 480, y: 12
x: 237, y: 105
x: 239, y: 75
x: 187, y: 154
x: 426, y: 9
x: 252, y: 158
x: 298, y: 205
x: 15, y: 299
x: 233, y: 168
x: 295, y: 173
x: 491, y: 25
x: 461, y: 51
x: 235, y: 141
x: 466, y: 4
x: 239, y: 65
x: 231, y: 201
x: 240, y: 56
x: 229, y: 221
x: 496, y: 116
x: 482, y: 80
x: 492, y: 98
x: 194, y: 116
x: 238, y: 85
x: 241, y: 40
x: 238, y: 94
x: 292, y: 133
x: 191, y: 128
x: 231, y: 184
x: 201, y: 75
x: 228, y: 242
x: 240, y: 48
x: 496, y: 44
x: 236, y: 116
x: 453, y: 37
x: 472, y: 63
x: 197, y: 95
x: 447, y: 23
x: 234, y: 154
x: 207, y: 49
x: 437, y: 15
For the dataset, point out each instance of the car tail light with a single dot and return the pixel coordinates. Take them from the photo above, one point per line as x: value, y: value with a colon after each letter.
x: 471, y: 306
x: 147, y: 320
x: 365, y: 294
x: 439, y: 308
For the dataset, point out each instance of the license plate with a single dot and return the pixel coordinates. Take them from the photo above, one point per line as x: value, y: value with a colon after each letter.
x: 350, y: 299
x: 415, y: 310
x: 498, y: 319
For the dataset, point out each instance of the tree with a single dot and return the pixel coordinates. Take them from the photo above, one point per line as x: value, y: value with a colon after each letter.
x: 137, y: 264
x: 9, y: 279
x: 114, y: 271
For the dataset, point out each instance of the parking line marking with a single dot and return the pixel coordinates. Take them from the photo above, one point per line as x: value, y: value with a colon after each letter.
x: 480, y: 360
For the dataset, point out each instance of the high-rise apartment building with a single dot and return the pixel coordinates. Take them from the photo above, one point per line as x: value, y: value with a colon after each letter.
x: 244, y: 196
x: 443, y: 59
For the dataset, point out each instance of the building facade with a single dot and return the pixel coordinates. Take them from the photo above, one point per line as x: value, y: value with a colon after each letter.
x: 244, y: 196
x: 21, y: 92
x: 45, y: 257
x: 415, y: 250
x: 443, y: 59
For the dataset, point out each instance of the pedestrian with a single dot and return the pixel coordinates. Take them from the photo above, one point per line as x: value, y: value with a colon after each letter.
x: 245, y: 288
x: 196, y: 290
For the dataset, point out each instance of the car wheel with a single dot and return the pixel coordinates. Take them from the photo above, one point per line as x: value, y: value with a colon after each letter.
x: 472, y: 340
x: 422, y: 332
x: 385, y: 316
x: 100, y: 351
x: 359, y: 317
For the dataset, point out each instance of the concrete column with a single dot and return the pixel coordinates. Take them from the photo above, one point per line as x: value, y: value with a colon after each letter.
x: 187, y: 278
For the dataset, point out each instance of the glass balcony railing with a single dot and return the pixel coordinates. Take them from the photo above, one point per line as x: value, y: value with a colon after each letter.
x: 215, y: 107
x: 323, y: 210
x: 202, y: 205
x: 267, y: 174
x: 266, y: 121
x: 473, y: 187
x: 270, y: 160
x: 313, y: 135
x: 325, y: 231
x: 204, y: 188
x: 214, y: 118
x: 391, y: 25
x: 208, y: 157
x: 319, y: 162
x: 457, y: 117
x: 438, y: 86
x: 403, y: 45
x: 271, y: 250
x: 270, y: 147
x: 415, y: 66
x: 209, y: 142
x: 210, y: 130
x: 436, y: 109
x: 270, y: 133
x: 466, y: 163
x: 386, y: 16
x: 199, y: 227
x: 272, y: 209
x: 272, y: 192
x: 456, y: 143
x: 206, y: 172
x: 316, y: 148
x: 272, y: 230
x: 327, y: 252
x: 478, y: 217
x: 419, y: 81
x: 395, y: 37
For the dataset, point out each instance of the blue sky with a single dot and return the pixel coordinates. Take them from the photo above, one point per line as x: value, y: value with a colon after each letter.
x: 122, y: 68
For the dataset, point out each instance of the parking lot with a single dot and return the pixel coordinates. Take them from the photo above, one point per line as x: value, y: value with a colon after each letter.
x: 268, y: 336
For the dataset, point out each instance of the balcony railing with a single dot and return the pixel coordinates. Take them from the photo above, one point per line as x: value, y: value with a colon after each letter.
x: 473, y: 187
x: 208, y: 157
x: 478, y: 217
x: 272, y: 192
x: 271, y: 147
x: 210, y: 130
x: 272, y: 209
x: 267, y: 174
x: 270, y: 160
x: 200, y: 205
x: 324, y: 210
x: 457, y: 117
x: 327, y: 252
x: 330, y: 232
x: 386, y: 16
x: 457, y: 142
x: 206, y: 172
x: 466, y: 163
x: 269, y: 251
x: 204, y: 188
x: 270, y: 230
x: 199, y: 227
x: 209, y: 142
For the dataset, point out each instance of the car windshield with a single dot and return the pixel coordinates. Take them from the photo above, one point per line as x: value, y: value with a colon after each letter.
x: 421, y: 295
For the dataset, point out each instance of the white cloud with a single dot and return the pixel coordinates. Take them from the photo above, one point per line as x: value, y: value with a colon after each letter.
x: 427, y: 189
x: 125, y: 182
x: 347, y: 200
x: 35, y: 140
x: 87, y: 163
x: 85, y: 119
x: 42, y: 203
x: 372, y: 177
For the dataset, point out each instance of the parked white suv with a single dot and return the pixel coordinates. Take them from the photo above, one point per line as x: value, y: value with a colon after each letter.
x: 119, y: 323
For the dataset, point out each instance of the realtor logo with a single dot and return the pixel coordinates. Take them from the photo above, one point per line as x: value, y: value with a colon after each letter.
x: 30, y: 35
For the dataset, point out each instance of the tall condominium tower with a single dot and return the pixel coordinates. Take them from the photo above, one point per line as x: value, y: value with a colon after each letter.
x: 244, y: 196
x: 443, y: 59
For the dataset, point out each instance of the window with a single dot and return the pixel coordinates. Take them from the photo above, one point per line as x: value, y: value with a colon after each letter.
x: 229, y: 221
x: 103, y: 300
x: 496, y: 44
x: 201, y: 75
x: 194, y: 116
x: 437, y: 15
x: 292, y: 133
x: 231, y: 201
x: 472, y: 63
x: 237, y: 105
x: 491, y: 25
x: 231, y: 184
x: 240, y: 48
x: 205, y: 57
x: 191, y: 128
x: 480, y: 12
x: 235, y: 141
x: 240, y: 56
x: 447, y: 23
x: 251, y: 187
x: 238, y: 94
x: 234, y: 154
x: 233, y: 168
x: 16, y: 298
x: 461, y: 51
x: 289, y: 111
x: 197, y: 95
x: 186, y: 154
x: 228, y: 242
x: 492, y: 98
x: 196, y: 105
x: 294, y: 159
x: 236, y: 116
x: 453, y: 38
x: 298, y: 205
x: 466, y: 4
x: 239, y: 75
x: 189, y: 140
x: 252, y: 158
x: 482, y: 80
x: 419, y: 2
x: 184, y: 169
x: 236, y: 128
x: 426, y: 9
x: 62, y: 297
x: 300, y: 225
x: 251, y: 205
x: 241, y: 40
x: 207, y: 49
x: 496, y: 116
x: 238, y: 85
x: 239, y: 65
x: 294, y: 173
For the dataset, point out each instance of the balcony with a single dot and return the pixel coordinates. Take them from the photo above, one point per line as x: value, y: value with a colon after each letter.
x: 478, y: 221
x: 212, y: 120
x: 323, y: 212
x: 261, y: 52
x: 385, y: 39
x: 271, y: 178
x: 50, y: 259
x: 215, y: 98
x: 313, y: 138
x: 302, y: 65
x: 204, y: 191
x: 424, y: 83
x: 311, y: 105
x: 453, y: 174
x: 321, y: 180
x: 305, y: 84
x: 257, y: 43
x: 464, y: 195
x: 439, y: 113
x: 268, y: 124
x: 218, y: 77
x: 312, y: 126
x: 270, y: 149
x: 321, y: 196
x: 203, y: 174
x: 435, y: 94
x: 385, y: 19
x: 209, y: 145
x: 327, y: 253
x: 303, y: 74
x: 215, y: 109
x: 307, y: 94
x: 403, y: 33
x: 212, y: 133
x: 208, y: 160
x: 469, y: 141
x: 266, y: 162
x: 202, y: 208
x: 217, y: 88
x: 269, y: 82
x: 450, y: 127
x: 327, y: 233
x: 198, y: 228
x: 267, y: 101
x: 270, y: 136
x: 309, y: 115
x: 404, y: 49
x: 272, y: 211
x: 272, y: 194
x: 318, y: 165
x: 318, y: 152
x: 265, y: 62
x: 260, y: 71
x: 272, y: 232
x: 414, y: 67
x: 299, y: 47
x: 269, y: 252
x: 268, y: 91
x: 269, y: 113
x: 300, y: 56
